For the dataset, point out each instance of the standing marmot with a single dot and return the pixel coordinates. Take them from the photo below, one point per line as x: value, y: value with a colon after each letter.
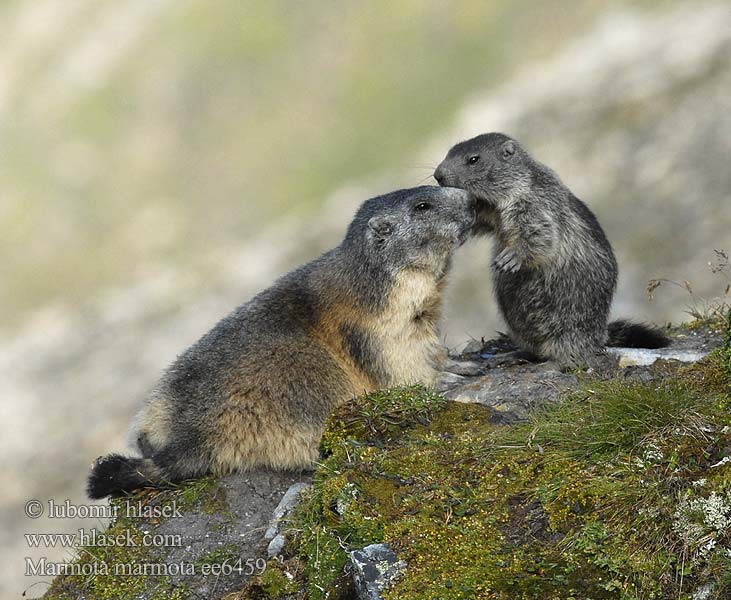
x: 555, y: 272
x: 256, y: 390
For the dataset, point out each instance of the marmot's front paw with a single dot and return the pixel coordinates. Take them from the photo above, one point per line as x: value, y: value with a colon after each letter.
x: 507, y: 261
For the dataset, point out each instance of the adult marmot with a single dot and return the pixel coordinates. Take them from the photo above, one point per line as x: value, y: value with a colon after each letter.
x: 555, y: 272
x: 256, y: 390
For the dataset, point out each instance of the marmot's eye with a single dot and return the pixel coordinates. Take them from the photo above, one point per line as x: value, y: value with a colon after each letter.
x: 473, y: 159
x: 422, y: 206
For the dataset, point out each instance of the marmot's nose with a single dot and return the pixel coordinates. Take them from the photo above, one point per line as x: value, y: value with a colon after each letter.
x: 439, y: 175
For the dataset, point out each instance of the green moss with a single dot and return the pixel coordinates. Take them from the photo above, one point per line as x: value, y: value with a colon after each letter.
x: 621, y: 490
x: 205, y: 493
x: 281, y: 578
x: 225, y: 554
x: 713, y: 375
x: 276, y: 584
x: 602, y: 496
x: 725, y: 355
x: 380, y: 416
x: 326, y: 559
x: 119, y: 571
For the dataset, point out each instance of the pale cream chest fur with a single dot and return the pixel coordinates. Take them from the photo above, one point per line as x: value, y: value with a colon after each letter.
x: 407, y: 330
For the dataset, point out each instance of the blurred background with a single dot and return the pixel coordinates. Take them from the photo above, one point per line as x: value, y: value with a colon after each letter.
x: 161, y: 161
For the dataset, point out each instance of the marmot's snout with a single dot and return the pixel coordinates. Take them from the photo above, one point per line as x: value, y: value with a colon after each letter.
x: 440, y: 175
x: 466, y: 216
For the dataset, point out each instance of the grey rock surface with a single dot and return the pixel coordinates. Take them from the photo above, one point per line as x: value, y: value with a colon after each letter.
x: 513, y: 392
x: 284, y: 508
x: 218, y: 538
x: 232, y: 537
x: 276, y: 546
x: 497, y: 375
x: 644, y: 357
x: 374, y: 568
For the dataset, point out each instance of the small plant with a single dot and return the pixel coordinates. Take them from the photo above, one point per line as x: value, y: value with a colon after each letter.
x: 703, y: 309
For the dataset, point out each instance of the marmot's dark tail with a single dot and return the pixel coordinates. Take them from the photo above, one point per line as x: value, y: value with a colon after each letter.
x: 114, y: 474
x: 635, y: 335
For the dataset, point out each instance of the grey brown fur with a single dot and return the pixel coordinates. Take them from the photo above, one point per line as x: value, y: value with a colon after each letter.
x: 256, y: 390
x: 554, y: 270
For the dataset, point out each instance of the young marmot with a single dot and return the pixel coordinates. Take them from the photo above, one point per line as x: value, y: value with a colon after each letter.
x: 555, y: 272
x: 256, y: 390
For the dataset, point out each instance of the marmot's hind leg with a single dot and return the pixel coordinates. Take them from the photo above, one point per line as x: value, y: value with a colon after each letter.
x: 571, y: 351
x: 114, y: 474
x: 275, y: 444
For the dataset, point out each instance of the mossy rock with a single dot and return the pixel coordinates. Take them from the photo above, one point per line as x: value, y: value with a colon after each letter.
x: 621, y: 490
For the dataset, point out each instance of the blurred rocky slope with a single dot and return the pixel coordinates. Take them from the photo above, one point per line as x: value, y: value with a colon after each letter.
x: 155, y: 132
x: 634, y: 114
x: 635, y: 117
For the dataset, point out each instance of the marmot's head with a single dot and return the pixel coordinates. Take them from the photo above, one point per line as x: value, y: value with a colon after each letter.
x: 415, y: 228
x: 492, y: 167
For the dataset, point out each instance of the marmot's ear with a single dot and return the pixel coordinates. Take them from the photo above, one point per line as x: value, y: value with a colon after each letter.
x: 381, y: 226
x: 508, y: 149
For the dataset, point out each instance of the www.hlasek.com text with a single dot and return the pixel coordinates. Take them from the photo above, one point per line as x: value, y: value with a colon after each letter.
x: 99, y: 539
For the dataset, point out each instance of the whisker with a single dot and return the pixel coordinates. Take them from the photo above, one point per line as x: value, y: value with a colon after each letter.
x: 423, y: 179
x: 430, y: 167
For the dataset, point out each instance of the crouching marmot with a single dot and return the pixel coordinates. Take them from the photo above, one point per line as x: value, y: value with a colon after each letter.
x: 554, y: 269
x: 256, y: 390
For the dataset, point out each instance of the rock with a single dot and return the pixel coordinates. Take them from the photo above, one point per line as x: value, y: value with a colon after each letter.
x: 276, y: 546
x: 233, y: 528
x: 473, y: 347
x: 512, y: 358
x: 512, y: 393
x: 467, y: 368
x: 447, y: 381
x: 504, y: 379
x: 644, y: 357
x: 704, y: 592
x: 282, y: 511
x: 374, y: 568
x: 284, y: 508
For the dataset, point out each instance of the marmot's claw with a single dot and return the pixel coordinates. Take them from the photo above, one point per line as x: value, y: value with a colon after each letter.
x: 507, y: 261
